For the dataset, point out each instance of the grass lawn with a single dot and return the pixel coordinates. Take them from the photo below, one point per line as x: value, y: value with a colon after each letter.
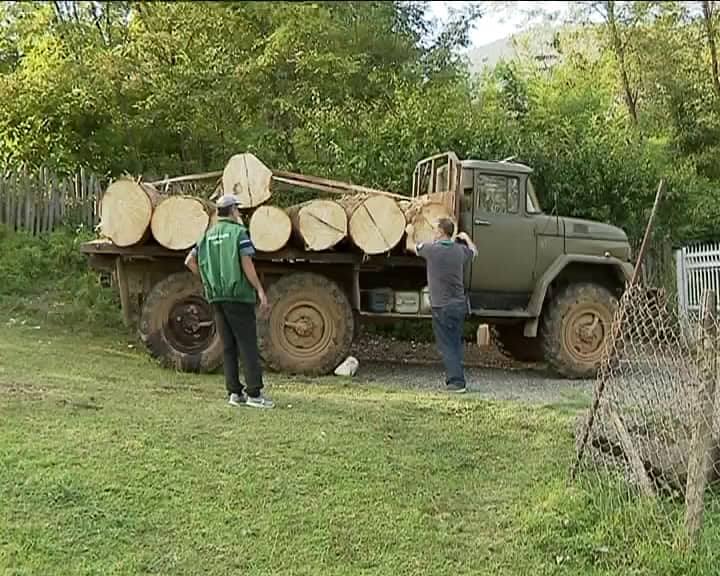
x: 110, y: 465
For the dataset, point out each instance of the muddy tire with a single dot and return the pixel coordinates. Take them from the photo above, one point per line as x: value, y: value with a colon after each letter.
x: 575, y: 327
x: 512, y: 344
x: 178, y: 325
x: 310, y: 326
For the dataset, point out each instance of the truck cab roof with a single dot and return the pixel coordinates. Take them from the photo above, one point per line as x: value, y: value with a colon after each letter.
x: 510, y: 167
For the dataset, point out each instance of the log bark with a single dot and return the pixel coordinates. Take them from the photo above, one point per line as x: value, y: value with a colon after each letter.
x: 423, y: 214
x: 319, y: 224
x: 270, y: 228
x: 179, y: 222
x: 247, y: 178
x: 376, y: 224
x: 126, y: 211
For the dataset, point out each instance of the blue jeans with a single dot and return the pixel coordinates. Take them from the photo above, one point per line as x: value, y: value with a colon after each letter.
x: 448, y: 326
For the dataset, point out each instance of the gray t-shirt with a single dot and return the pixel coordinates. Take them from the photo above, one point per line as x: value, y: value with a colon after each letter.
x: 445, y: 271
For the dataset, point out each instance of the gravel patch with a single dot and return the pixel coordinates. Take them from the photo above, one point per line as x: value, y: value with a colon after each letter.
x: 489, y: 374
x: 535, y: 386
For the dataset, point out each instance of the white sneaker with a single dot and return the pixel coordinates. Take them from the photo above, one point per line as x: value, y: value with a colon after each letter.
x: 260, y: 402
x: 237, y: 399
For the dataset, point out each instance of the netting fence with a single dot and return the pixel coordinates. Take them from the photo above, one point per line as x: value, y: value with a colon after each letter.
x: 649, y: 448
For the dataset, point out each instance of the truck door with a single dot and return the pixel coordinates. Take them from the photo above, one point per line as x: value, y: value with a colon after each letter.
x: 501, y: 277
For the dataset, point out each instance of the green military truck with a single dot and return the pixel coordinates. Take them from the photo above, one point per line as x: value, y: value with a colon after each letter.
x: 548, y: 285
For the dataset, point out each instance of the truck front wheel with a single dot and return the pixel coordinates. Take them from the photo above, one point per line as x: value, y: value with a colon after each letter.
x: 575, y: 328
x: 310, y: 327
x: 178, y: 325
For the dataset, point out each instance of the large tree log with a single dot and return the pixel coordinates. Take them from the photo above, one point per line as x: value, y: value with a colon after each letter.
x: 179, y: 222
x: 126, y: 210
x: 319, y: 224
x: 423, y: 214
x: 376, y: 224
x: 270, y: 228
x: 248, y: 179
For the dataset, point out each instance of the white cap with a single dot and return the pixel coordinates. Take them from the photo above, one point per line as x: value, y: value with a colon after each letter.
x: 227, y: 200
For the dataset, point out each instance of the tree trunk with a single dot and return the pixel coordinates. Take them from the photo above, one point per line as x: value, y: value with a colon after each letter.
x: 709, y: 18
x: 619, y: 47
x: 376, y: 224
x: 423, y: 214
x: 319, y: 224
x: 126, y: 210
x: 179, y: 222
x: 247, y: 178
x: 270, y: 229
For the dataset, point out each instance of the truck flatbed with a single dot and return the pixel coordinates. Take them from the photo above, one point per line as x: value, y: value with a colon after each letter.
x: 289, y: 255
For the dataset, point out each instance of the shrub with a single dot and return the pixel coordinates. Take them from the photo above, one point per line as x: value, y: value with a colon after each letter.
x: 47, y: 279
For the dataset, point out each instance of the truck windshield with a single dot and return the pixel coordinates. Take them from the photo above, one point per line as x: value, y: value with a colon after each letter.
x: 531, y: 201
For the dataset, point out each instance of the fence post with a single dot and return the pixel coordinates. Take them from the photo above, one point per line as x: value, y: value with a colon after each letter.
x: 681, y: 280
x: 701, y: 448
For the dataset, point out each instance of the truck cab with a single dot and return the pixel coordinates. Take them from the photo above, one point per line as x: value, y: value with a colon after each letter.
x: 548, y: 284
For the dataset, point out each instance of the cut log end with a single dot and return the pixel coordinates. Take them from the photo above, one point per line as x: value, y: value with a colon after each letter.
x: 270, y: 229
x: 320, y: 224
x: 126, y: 210
x: 247, y: 178
x: 423, y: 219
x: 179, y: 222
x: 376, y: 224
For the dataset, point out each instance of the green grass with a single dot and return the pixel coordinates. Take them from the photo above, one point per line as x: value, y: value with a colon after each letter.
x: 110, y: 465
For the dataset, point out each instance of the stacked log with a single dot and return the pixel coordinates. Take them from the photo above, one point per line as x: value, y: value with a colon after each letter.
x: 372, y: 220
x: 179, y: 222
x: 247, y: 178
x: 423, y: 214
x: 319, y: 224
x: 376, y: 223
x: 270, y: 228
x: 126, y: 211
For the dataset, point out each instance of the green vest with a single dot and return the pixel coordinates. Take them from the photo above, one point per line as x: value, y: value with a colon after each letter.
x: 219, y: 261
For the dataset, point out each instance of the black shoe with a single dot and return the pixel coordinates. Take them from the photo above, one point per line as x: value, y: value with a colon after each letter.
x: 456, y: 388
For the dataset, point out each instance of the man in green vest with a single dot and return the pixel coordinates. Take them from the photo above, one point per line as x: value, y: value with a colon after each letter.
x: 223, y: 259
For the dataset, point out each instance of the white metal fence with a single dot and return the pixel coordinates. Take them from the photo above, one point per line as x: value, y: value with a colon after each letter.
x: 698, y: 270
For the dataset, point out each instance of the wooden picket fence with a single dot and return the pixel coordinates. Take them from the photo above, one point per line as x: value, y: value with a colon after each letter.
x: 40, y: 201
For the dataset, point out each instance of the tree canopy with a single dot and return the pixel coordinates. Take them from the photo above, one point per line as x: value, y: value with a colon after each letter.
x: 363, y: 90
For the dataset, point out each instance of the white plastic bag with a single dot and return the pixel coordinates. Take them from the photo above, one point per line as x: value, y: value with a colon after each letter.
x: 348, y: 368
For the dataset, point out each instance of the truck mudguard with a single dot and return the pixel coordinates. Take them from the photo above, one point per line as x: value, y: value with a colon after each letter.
x: 624, y: 270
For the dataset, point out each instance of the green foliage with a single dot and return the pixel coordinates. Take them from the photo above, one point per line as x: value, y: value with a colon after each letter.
x: 47, y: 279
x: 362, y: 91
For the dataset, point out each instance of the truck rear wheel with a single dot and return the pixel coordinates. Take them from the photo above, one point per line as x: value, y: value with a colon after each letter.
x: 575, y: 328
x: 177, y: 325
x: 310, y: 326
x: 512, y: 343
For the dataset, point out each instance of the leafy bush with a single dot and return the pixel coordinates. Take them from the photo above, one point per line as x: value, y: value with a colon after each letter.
x: 47, y: 279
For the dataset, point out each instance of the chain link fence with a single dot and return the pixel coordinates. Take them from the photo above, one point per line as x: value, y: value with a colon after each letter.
x: 649, y: 449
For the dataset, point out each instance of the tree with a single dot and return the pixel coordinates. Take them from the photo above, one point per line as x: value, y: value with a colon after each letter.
x: 709, y: 18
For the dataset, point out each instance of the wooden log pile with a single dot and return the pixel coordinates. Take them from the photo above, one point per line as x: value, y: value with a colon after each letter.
x: 353, y: 217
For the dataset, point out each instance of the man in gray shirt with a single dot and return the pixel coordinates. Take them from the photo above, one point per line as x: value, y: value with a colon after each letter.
x: 445, y: 261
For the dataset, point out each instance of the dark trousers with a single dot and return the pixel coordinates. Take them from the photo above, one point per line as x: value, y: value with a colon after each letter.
x: 448, y: 326
x: 236, y: 323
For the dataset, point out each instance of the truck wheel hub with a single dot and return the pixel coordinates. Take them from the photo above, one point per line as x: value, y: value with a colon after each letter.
x: 190, y: 325
x: 305, y: 329
x: 585, y: 333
